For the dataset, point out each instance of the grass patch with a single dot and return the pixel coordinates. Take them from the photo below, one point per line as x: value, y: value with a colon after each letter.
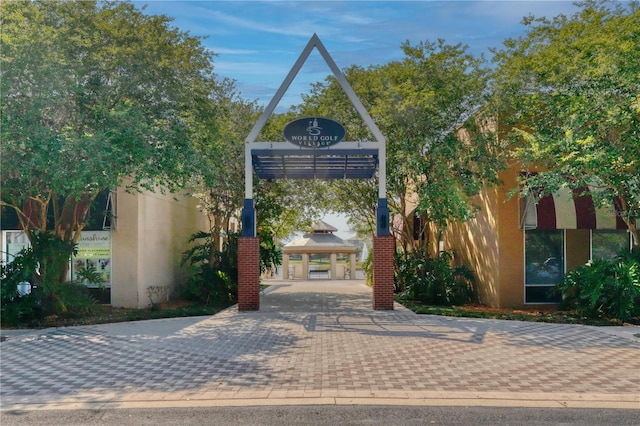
x: 108, y: 314
x: 532, y: 315
x: 178, y: 309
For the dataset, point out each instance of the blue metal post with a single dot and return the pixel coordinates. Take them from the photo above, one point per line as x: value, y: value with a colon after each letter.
x: 248, y: 218
x: 382, y: 215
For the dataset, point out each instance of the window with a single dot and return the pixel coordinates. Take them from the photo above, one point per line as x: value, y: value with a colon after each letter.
x: 13, y: 242
x: 609, y: 244
x: 544, y: 264
x: 93, y: 252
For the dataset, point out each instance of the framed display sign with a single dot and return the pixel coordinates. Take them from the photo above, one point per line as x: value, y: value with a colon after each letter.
x: 94, y: 252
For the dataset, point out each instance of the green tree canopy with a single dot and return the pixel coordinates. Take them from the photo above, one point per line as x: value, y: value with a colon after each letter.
x: 96, y: 95
x: 419, y: 104
x: 219, y: 182
x: 569, y: 94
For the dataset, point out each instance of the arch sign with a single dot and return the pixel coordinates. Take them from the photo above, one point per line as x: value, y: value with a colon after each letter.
x: 320, y: 152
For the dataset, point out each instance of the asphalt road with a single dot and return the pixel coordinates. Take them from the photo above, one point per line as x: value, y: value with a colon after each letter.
x: 325, y: 415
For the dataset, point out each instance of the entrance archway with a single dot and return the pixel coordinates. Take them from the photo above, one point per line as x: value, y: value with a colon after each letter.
x: 320, y: 153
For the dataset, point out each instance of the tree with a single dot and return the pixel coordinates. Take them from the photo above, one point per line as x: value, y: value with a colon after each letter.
x: 96, y: 95
x: 568, y: 91
x: 355, y: 198
x: 419, y: 104
x: 219, y: 183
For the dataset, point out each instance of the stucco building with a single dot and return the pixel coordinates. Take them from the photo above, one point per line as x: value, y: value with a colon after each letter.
x: 519, y: 249
x: 137, y: 250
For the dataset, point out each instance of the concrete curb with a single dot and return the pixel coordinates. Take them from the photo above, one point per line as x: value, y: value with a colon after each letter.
x: 609, y: 401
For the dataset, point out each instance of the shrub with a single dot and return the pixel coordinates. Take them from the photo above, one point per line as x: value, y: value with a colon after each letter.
x: 433, y: 281
x: 270, y: 254
x: 52, y: 254
x: 71, y: 300
x: 209, y: 285
x: 214, y: 276
x: 604, y: 288
x: 228, y: 262
x: 90, y: 275
x: 16, y: 309
x: 67, y: 299
x: 367, y: 267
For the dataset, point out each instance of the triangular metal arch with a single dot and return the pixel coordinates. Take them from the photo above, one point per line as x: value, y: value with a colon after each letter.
x: 355, y: 101
x: 248, y: 279
x: 380, y: 143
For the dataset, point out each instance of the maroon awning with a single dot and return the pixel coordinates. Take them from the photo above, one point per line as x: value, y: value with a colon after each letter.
x: 575, y: 209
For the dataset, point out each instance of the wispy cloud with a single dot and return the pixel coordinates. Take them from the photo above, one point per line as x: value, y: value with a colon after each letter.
x: 262, y: 68
x: 257, y: 25
x: 257, y: 42
x: 356, y: 19
x: 510, y: 13
x: 225, y: 51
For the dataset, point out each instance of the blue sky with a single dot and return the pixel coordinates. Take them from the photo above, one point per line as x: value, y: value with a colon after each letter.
x: 258, y: 42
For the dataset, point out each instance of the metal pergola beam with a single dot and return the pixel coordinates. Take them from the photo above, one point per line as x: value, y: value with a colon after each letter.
x: 314, y: 163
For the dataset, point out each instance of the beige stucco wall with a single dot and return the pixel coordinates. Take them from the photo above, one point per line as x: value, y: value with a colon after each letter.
x: 475, y: 243
x: 147, y: 244
x: 511, y: 243
x: 492, y: 244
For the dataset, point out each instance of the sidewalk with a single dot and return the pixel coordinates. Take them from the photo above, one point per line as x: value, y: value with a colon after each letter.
x: 319, y: 342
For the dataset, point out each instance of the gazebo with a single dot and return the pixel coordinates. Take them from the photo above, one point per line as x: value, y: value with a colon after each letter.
x: 320, y: 241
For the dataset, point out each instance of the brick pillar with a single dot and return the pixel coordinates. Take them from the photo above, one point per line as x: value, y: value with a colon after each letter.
x: 248, y: 274
x: 383, y: 255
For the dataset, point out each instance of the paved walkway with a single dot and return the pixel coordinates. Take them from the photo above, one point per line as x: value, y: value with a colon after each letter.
x: 319, y: 342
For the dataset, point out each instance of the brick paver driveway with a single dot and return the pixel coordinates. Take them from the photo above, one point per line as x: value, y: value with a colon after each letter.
x: 320, y: 342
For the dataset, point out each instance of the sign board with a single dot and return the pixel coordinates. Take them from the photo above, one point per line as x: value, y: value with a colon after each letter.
x: 94, y: 251
x: 314, y: 132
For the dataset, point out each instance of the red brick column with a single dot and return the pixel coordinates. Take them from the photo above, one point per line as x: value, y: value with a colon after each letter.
x: 248, y: 274
x: 383, y: 255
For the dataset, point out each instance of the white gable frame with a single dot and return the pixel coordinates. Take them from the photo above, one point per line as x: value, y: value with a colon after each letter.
x: 251, y: 144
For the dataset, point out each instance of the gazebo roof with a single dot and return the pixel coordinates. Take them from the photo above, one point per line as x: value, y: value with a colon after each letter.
x: 322, y: 227
x: 321, y: 241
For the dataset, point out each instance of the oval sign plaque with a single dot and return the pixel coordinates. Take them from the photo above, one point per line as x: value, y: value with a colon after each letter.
x: 314, y: 132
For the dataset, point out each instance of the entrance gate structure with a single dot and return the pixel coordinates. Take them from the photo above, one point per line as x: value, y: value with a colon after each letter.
x: 350, y: 160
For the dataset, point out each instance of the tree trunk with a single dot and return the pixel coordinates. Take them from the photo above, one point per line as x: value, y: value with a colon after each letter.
x: 624, y: 208
x: 215, y: 241
x: 55, y: 247
x: 634, y: 232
